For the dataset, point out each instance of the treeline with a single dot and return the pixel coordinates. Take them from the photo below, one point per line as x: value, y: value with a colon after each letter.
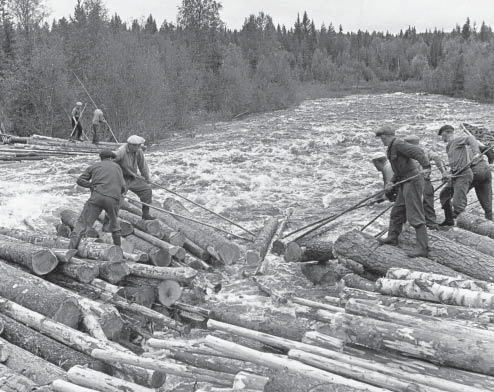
x: 160, y: 78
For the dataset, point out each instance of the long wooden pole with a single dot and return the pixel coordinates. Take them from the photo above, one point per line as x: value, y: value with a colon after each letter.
x: 205, y: 208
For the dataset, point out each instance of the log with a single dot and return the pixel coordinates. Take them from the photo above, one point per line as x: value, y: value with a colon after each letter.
x: 196, y: 250
x: 35, y: 238
x: 278, y: 246
x: 12, y: 381
x: 289, y: 365
x: 65, y: 386
x: 47, y: 348
x: 174, y: 251
x: 217, y: 364
x: 91, y: 324
x: 456, y: 256
x: 223, y: 379
x: 64, y: 255
x: 39, y: 260
x: 475, y: 285
x: 75, y: 339
x: 113, y: 272
x: 141, y: 294
x: 63, y: 230
x: 318, y: 339
x: 151, y: 227
x: 69, y: 218
x: 107, y: 238
x: 244, y: 380
x: 180, y: 274
x: 169, y: 292
x: 358, y: 282
x: 429, y: 291
x: 366, y: 250
x: 256, y: 251
x: 82, y: 270
x: 102, y: 382
x: 157, y: 256
x: 136, y: 257
x: 39, y: 295
x: 475, y: 224
x: 474, y: 241
x: 37, y: 369
x: 308, y: 250
x: 90, y: 248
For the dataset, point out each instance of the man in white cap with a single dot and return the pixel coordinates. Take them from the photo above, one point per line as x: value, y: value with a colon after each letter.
x: 99, y: 124
x: 131, y: 159
x: 76, y: 124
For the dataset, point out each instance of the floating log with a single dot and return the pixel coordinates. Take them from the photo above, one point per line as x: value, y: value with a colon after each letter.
x: 75, y: 339
x: 478, y: 242
x: 102, y: 382
x: 82, y: 270
x: 47, y: 348
x: 35, y: 238
x: 257, y: 250
x: 475, y: 224
x: 39, y: 260
x: 367, y: 251
x: 456, y: 256
x: 30, y: 365
x: 180, y: 274
x: 157, y: 256
x: 39, y: 295
x: 174, y: 251
x: 282, y: 363
x: 151, y: 227
x: 90, y: 248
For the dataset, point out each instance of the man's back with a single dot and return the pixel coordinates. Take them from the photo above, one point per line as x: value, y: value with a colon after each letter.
x: 104, y: 177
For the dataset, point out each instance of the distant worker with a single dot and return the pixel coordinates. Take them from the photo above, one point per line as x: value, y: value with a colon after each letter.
x: 76, y: 133
x: 99, y: 125
x: 428, y: 200
x: 408, y: 204
x: 131, y: 159
x: 468, y: 170
x: 105, y: 179
x: 382, y: 165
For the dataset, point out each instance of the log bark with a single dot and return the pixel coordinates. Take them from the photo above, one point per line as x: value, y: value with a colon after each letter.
x: 102, y: 382
x: 75, y: 339
x: 257, y: 250
x: 12, y: 381
x: 47, y: 348
x: 126, y: 245
x: 289, y: 365
x: 64, y: 255
x: 113, y: 272
x: 65, y: 386
x: 174, y: 251
x: 366, y: 250
x: 69, y: 218
x: 90, y: 248
x: 35, y: 238
x: 157, y: 256
x: 63, y: 230
x: 39, y: 295
x: 308, y: 250
x: 358, y: 282
x: 151, y: 227
x: 474, y: 241
x: 39, y: 260
x: 82, y: 270
x: 29, y: 365
x: 137, y: 257
x: 456, y: 256
x: 180, y: 274
x: 196, y: 250
x: 475, y: 224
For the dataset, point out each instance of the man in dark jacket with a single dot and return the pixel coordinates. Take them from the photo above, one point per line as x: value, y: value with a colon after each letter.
x: 408, y: 204
x: 107, y: 185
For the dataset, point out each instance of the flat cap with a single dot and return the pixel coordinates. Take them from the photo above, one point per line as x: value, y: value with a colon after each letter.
x: 105, y: 154
x: 385, y: 130
x: 134, y: 139
x: 413, y: 139
x: 78, y: 103
x: 447, y: 128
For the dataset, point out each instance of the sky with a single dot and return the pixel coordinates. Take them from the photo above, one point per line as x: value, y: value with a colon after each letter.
x: 370, y: 15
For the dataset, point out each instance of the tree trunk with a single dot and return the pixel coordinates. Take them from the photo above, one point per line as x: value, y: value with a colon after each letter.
x: 69, y: 218
x: 113, y: 272
x: 89, y: 248
x: 157, y: 256
x: 39, y: 295
x: 357, y: 282
x: 35, y: 238
x: 75, y: 339
x: 137, y: 256
x: 65, y: 386
x: 196, y: 250
x: 455, y: 256
x: 64, y: 255
x: 308, y: 250
x: 151, y: 227
x: 475, y: 224
x: 474, y: 241
x: 140, y: 294
x: 174, y: 251
x: 366, y: 250
x: 39, y: 260
x: 99, y: 381
x: 126, y: 245
x: 169, y: 292
x: 12, y: 381
x: 180, y: 274
x: 82, y: 270
x: 257, y: 250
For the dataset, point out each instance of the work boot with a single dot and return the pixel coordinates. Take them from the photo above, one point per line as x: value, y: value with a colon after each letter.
x: 145, y: 213
x: 74, y: 240
x: 117, y: 238
x: 422, y: 247
x: 448, y: 215
x: 389, y: 240
x: 488, y: 215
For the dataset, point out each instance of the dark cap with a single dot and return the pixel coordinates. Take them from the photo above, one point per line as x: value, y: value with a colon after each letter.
x: 412, y: 139
x: 447, y: 128
x: 105, y: 154
x: 385, y: 130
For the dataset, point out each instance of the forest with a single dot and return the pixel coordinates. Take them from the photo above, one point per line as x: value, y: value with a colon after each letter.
x: 161, y: 78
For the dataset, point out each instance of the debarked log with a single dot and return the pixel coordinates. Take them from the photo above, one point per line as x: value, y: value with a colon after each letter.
x: 92, y: 248
x: 82, y: 270
x: 65, y: 386
x: 174, y: 251
x: 366, y: 250
x: 157, y: 256
x: 35, y: 238
x: 456, y: 256
x: 12, y: 381
x: 180, y: 274
x: 257, y: 250
x: 151, y: 227
x: 475, y: 224
x: 39, y: 295
x: 39, y: 260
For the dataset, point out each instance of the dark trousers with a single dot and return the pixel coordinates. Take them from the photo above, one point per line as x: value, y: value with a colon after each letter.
x: 457, y: 190
x: 482, y: 182
x: 96, y: 133
x: 429, y: 211
x: 77, y: 134
x: 142, y: 189
x: 408, y: 206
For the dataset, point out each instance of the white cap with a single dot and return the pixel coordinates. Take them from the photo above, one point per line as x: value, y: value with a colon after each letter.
x: 78, y: 103
x: 134, y: 139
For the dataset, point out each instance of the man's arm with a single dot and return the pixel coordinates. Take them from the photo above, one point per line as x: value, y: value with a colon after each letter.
x: 143, y: 166
x: 414, y: 152
x: 438, y: 162
x: 474, y: 145
x: 84, y: 179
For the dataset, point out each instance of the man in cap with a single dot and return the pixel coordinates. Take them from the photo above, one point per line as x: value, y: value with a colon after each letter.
x: 105, y: 179
x: 468, y: 170
x: 382, y: 164
x: 99, y: 125
x: 428, y: 199
x: 131, y: 159
x: 76, y: 124
x: 408, y: 204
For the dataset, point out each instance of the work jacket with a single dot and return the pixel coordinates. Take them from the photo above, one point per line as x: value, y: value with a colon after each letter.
x: 130, y: 162
x: 104, y: 177
x: 401, y: 155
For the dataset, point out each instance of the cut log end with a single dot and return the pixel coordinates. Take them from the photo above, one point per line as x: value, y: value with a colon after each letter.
x: 252, y: 258
x: 114, y: 253
x: 169, y: 291
x: 229, y: 254
x: 43, y: 262
x: 68, y: 313
x: 160, y: 257
x: 293, y: 252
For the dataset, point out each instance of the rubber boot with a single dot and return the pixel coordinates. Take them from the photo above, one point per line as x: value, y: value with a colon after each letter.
x: 145, y: 213
x: 448, y: 215
x: 488, y: 215
x: 74, y: 240
x: 392, y: 238
x: 422, y: 247
x: 117, y: 238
